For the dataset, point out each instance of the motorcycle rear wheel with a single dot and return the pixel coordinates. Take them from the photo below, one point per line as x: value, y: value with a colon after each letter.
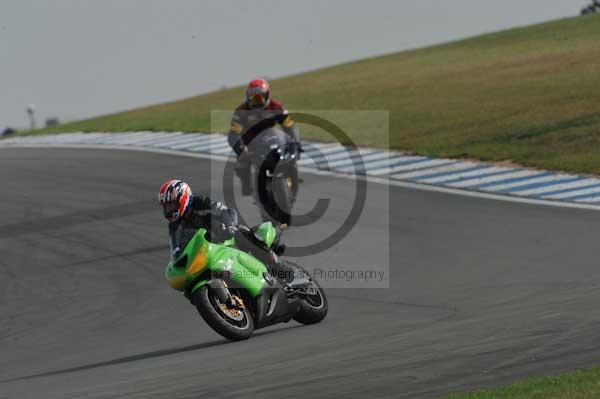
x: 313, y: 308
x: 233, y: 324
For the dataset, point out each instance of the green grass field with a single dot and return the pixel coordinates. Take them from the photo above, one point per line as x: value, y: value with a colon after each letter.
x: 530, y: 95
x: 577, y: 385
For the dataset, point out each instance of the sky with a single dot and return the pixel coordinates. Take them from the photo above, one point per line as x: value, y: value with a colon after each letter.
x: 78, y: 58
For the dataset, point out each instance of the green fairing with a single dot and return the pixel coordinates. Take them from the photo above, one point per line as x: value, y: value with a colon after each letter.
x: 200, y: 255
x: 267, y: 232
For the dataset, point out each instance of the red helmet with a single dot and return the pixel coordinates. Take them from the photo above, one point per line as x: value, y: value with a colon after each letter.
x: 175, y: 196
x: 258, y: 94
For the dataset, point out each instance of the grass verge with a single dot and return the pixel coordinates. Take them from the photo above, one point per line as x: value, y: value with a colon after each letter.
x: 584, y: 384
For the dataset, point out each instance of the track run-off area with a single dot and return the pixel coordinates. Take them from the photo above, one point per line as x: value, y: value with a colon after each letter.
x: 475, y: 292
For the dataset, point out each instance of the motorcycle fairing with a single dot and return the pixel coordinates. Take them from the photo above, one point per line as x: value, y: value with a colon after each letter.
x: 201, y: 259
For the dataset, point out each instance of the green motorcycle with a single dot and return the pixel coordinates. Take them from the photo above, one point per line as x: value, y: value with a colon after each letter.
x: 235, y: 293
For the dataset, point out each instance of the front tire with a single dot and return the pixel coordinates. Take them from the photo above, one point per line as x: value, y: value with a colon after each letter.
x: 233, y: 324
x: 282, y: 200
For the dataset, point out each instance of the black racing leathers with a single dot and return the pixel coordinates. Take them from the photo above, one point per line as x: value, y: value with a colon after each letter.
x: 221, y: 223
x: 203, y: 212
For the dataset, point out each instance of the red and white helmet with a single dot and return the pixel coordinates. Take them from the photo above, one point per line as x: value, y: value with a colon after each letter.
x: 258, y: 94
x: 175, y: 196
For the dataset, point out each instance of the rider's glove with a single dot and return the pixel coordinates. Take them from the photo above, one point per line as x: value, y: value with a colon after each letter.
x: 279, y: 249
x: 232, y: 231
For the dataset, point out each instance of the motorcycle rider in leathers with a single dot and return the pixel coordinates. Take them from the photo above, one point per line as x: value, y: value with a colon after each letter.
x: 262, y: 111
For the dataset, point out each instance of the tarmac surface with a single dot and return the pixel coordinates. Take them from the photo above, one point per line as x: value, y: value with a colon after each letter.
x: 481, y: 292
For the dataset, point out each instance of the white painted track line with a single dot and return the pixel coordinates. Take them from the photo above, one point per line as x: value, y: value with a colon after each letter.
x: 412, y: 166
x: 543, y: 179
x: 495, y: 178
x: 466, y: 175
x: 572, y: 185
x: 457, y: 167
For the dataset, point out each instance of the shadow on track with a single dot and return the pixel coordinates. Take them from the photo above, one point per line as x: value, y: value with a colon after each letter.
x: 139, y: 357
x: 126, y: 359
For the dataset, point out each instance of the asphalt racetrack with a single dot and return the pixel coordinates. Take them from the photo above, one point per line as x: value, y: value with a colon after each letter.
x: 481, y: 292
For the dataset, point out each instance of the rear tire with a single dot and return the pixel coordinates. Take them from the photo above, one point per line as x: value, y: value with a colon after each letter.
x: 221, y: 321
x: 313, y: 309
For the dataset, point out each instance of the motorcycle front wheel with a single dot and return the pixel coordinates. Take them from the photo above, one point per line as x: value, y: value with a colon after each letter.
x: 283, y: 199
x: 313, y: 308
x: 233, y: 323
